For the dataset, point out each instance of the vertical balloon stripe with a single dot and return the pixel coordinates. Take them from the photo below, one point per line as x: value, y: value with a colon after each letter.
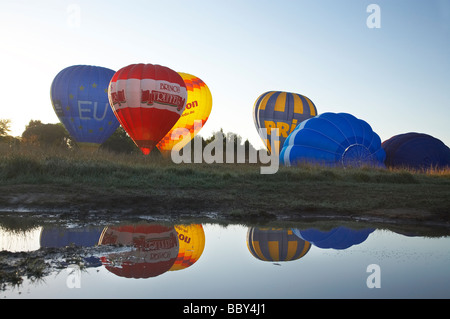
x: 298, y: 104
x: 280, y: 103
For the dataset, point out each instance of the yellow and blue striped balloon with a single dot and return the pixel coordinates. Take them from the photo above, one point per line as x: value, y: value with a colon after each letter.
x: 275, y: 244
x: 282, y: 111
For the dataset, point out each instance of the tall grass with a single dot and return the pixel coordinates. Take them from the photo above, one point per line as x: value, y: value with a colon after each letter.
x: 33, y: 165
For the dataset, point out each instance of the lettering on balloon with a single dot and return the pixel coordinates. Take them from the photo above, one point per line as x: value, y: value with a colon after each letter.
x: 118, y: 97
x: 58, y: 108
x: 170, y: 88
x: 284, y: 129
x: 88, y: 110
x: 155, y: 243
x: 162, y: 98
x: 191, y: 104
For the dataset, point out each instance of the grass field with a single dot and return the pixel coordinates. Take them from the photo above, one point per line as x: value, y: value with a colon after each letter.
x: 79, y: 180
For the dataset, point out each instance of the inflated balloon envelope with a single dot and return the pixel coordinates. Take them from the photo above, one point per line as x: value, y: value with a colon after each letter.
x: 196, y: 113
x: 79, y: 95
x: 416, y: 151
x: 147, y: 100
x: 281, y: 111
x: 333, y: 139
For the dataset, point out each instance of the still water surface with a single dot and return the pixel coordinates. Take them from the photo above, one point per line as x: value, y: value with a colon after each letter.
x: 214, y: 261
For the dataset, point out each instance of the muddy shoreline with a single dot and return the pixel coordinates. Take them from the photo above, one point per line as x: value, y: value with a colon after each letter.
x: 92, y: 207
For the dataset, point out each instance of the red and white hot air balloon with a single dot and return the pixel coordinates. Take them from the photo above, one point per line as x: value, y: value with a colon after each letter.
x: 147, y: 100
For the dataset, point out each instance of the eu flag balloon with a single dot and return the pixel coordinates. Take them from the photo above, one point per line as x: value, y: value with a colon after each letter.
x: 79, y: 96
x: 416, y: 151
x: 282, y: 111
x: 333, y: 139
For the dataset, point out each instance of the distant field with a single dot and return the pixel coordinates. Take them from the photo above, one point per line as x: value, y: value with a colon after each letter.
x: 34, y: 177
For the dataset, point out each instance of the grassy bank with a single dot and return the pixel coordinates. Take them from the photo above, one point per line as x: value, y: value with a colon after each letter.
x: 80, y: 180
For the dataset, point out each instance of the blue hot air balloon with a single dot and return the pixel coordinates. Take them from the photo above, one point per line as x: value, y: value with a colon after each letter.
x: 282, y: 111
x: 416, y: 151
x: 79, y: 95
x: 337, y: 238
x: 333, y: 139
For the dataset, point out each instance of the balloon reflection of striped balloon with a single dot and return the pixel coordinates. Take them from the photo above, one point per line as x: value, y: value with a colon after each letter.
x: 191, y: 239
x: 273, y: 244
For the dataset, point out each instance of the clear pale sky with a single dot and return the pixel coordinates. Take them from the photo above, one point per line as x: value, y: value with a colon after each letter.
x: 396, y: 77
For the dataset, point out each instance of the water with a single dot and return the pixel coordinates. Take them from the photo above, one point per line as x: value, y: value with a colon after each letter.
x: 232, y: 261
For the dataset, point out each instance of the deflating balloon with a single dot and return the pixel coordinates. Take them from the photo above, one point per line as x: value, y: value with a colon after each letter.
x: 79, y: 96
x: 282, y: 111
x: 195, y: 115
x: 417, y: 151
x: 191, y: 239
x: 332, y: 139
x: 337, y: 238
x: 154, y: 250
x: 147, y: 100
x: 272, y: 244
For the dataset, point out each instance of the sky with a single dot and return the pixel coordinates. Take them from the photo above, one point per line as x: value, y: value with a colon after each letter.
x: 395, y: 76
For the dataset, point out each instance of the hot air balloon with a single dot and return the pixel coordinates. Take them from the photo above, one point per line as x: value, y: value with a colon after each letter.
x: 195, y: 115
x: 154, y: 249
x: 273, y: 244
x: 191, y: 239
x: 147, y: 100
x: 333, y: 139
x: 336, y: 238
x: 282, y: 111
x: 79, y: 96
x: 416, y: 151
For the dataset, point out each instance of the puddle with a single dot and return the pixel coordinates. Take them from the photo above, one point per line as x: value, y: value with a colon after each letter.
x: 154, y: 259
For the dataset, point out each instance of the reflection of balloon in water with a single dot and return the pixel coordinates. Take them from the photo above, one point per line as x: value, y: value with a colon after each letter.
x: 333, y: 140
x: 272, y: 244
x: 191, y: 239
x: 147, y: 100
x: 282, y: 111
x: 57, y: 237
x: 416, y: 151
x: 195, y: 115
x: 79, y: 95
x: 337, y: 238
x: 154, y: 251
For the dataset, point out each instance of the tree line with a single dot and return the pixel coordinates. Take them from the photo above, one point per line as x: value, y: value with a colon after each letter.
x: 39, y: 134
